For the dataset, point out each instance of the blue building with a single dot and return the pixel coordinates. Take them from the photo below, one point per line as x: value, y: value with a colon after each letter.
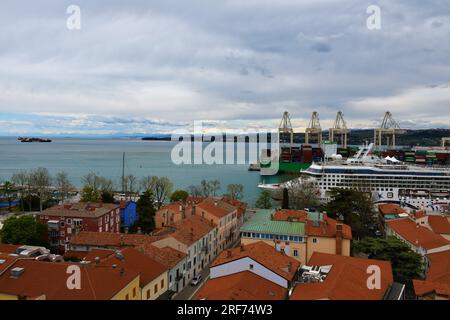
x: 128, y: 213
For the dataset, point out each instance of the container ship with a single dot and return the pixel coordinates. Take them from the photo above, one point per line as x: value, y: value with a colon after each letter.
x: 388, y: 179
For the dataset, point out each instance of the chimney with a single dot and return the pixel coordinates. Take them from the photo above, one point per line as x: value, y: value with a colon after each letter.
x: 289, y: 267
x: 122, y: 272
x: 97, y: 260
x: 193, y: 209
x: 139, y: 230
x: 122, y: 204
x: 338, y: 238
x: 228, y: 253
x: 242, y: 248
x: 215, y: 202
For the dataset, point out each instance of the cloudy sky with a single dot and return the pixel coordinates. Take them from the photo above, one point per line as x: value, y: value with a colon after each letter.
x: 140, y: 67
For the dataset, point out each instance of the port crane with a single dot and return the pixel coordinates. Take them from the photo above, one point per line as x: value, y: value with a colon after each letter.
x: 388, y: 127
x: 340, y: 129
x: 313, y: 129
x: 285, y: 128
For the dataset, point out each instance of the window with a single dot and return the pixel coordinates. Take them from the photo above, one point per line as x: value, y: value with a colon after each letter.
x: 148, y: 294
x: 162, y: 283
x: 134, y: 292
x: 314, y: 240
x: 127, y: 297
x: 156, y: 288
x: 295, y: 253
x: 250, y: 266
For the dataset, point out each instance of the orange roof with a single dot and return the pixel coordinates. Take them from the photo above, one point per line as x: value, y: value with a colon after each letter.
x: 241, y: 286
x: 148, y: 268
x: 290, y: 215
x: 104, y: 239
x: 422, y: 288
x: 189, y: 230
x: 417, y: 235
x: 8, y: 248
x: 390, y: 208
x: 216, y: 207
x: 438, y: 276
x: 89, y: 255
x: 439, y: 224
x: 264, y: 254
x: 327, y: 228
x: 347, y: 279
x: 49, y: 279
x: 167, y: 256
x: 239, y: 205
x: 8, y: 260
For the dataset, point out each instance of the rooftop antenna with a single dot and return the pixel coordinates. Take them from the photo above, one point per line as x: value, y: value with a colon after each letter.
x: 285, y: 127
x: 340, y: 129
x: 389, y: 127
x: 314, y: 128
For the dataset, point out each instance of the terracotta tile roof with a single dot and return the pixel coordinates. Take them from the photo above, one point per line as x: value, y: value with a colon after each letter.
x: 7, y: 260
x: 188, y: 231
x: 8, y: 248
x: 89, y: 255
x: 167, y: 256
x: 423, y: 287
x: 390, y: 208
x: 110, y: 239
x: 241, y: 286
x: 264, y: 254
x: 347, y: 279
x: 327, y: 228
x: 80, y: 209
x: 417, y: 235
x: 216, y: 207
x: 290, y: 215
x: 49, y: 279
x: 148, y: 268
x: 239, y: 205
x: 439, y: 270
x: 439, y: 224
x: 194, y: 200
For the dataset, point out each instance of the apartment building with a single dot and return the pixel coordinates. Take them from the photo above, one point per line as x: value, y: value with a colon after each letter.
x: 298, y: 233
x: 65, y: 221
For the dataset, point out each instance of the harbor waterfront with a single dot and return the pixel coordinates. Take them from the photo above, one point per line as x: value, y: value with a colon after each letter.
x: 104, y: 157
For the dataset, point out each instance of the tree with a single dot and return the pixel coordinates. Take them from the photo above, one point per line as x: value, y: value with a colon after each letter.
x: 235, y: 191
x: 89, y: 194
x: 406, y: 264
x: 264, y: 200
x: 195, y: 191
x: 63, y: 185
x: 22, y: 180
x: 160, y: 187
x: 24, y: 230
x: 146, y: 212
x: 107, y: 197
x: 285, y: 202
x: 302, y: 194
x: 214, y: 186
x: 356, y: 207
x: 179, y: 195
x: 40, y: 180
x: 8, y: 190
x: 131, y: 185
x: 206, y: 188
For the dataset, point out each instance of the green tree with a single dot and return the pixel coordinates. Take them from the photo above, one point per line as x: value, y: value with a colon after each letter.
x: 406, y: 264
x: 107, y: 197
x: 8, y: 190
x: 89, y: 194
x: 264, y: 200
x: 145, y: 210
x: 160, y: 187
x: 179, y: 195
x: 356, y: 207
x: 24, y: 230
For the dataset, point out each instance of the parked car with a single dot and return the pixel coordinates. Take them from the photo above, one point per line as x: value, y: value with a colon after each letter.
x: 196, y: 280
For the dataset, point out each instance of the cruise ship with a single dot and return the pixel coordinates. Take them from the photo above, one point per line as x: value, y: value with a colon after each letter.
x: 388, y: 179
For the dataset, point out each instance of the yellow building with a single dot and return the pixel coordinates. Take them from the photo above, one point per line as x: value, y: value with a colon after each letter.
x: 298, y: 233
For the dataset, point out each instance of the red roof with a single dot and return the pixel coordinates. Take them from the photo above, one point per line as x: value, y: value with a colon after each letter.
x: 241, y: 286
x: 290, y: 215
x: 439, y: 224
x: 438, y: 276
x: 110, y: 239
x: 264, y: 254
x: 389, y: 208
x: 327, y: 228
x: 347, y: 279
x: 8, y: 248
x: 50, y: 279
x: 417, y: 235
x: 216, y: 207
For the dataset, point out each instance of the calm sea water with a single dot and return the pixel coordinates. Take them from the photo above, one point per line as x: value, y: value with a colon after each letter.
x: 78, y: 157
